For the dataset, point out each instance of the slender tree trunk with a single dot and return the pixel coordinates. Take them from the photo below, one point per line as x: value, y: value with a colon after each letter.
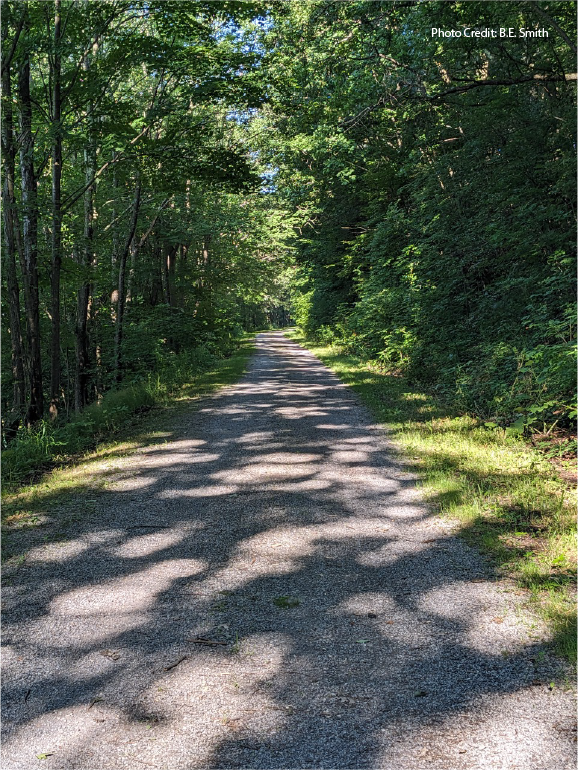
x: 207, y: 282
x: 120, y: 306
x: 157, y: 280
x: 56, y: 220
x: 129, y: 284
x: 169, y: 269
x: 30, y: 246
x: 135, y: 249
x: 86, y: 260
x: 99, y: 384
x: 10, y: 226
x: 81, y: 348
x: 114, y: 253
x: 172, y: 266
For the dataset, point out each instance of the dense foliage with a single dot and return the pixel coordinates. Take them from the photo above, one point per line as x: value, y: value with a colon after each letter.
x: 135, y: 229
x: 434, y: 182
x: 163, y: 161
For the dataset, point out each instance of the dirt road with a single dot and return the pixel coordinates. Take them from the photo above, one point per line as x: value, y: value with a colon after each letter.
x: 267, y: 590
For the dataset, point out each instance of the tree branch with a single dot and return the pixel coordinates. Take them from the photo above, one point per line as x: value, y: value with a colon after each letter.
x: 164, y: 204
x: 570, y: 77
x: 71, y: 200
x: 554, y: 24
x: 7, y: 61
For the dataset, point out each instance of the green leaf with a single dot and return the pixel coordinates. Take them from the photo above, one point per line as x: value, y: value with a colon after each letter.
x: 517, y: 427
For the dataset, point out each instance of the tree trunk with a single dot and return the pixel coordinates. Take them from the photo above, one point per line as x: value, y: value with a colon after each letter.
x: 169, y: 265
x: 129, y: 284
x: 86, y: 260
x: 113, y: 256
x: 81, y: 348
x: 30, y: 246
x: 121, y: 285
x: 56, y: 220
x: 10, y: 226
x: 172, y: 265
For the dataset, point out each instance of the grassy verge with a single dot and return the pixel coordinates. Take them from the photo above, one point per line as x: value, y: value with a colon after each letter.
x: 36, y: 451
x: 510, y: 502
x: 52, y: 499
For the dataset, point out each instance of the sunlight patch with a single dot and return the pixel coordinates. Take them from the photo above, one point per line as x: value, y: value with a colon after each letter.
x: 144, y: 545
x: 129, y: 593
x: 207, y: 491
x: 56, y: 552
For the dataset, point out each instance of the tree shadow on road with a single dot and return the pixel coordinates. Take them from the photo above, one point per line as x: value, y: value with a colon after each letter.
x: 265, y: 590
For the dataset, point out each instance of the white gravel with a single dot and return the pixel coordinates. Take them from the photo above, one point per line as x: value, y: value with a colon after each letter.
x: 399, y: 652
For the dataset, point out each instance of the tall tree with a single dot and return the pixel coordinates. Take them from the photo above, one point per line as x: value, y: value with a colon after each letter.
x: 11, y: 233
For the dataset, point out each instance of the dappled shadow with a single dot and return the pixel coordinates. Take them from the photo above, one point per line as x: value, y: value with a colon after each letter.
x: 267, y: 590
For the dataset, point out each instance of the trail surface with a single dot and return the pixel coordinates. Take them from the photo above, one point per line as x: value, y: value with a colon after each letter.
x: 354, y: 630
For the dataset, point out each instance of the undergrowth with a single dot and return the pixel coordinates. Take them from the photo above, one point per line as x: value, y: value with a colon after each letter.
x: 35, y: 451
x: 509, y: 499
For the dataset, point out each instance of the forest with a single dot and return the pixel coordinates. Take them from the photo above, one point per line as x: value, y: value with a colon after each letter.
x: 177, y: 174
x: 288, y: 384
x: 137, y: 244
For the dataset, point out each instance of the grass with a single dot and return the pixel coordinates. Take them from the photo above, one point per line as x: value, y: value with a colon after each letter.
x: 511, y: 503
x: 51, y: 498
x: 190, y: 374
x: 286, y: 602
x: 36, y: 450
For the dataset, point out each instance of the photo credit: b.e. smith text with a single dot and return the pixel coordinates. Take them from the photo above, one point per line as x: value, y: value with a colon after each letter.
x: 486, y: 32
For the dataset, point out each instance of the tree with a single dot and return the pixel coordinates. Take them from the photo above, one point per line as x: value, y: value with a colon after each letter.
x: 431, y: 179
x: 128, y: 138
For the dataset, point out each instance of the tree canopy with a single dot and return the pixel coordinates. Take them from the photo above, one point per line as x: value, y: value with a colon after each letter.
x: 434, y: 183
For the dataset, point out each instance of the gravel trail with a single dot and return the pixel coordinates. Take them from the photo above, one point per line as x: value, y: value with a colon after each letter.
x: 268, y: 590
